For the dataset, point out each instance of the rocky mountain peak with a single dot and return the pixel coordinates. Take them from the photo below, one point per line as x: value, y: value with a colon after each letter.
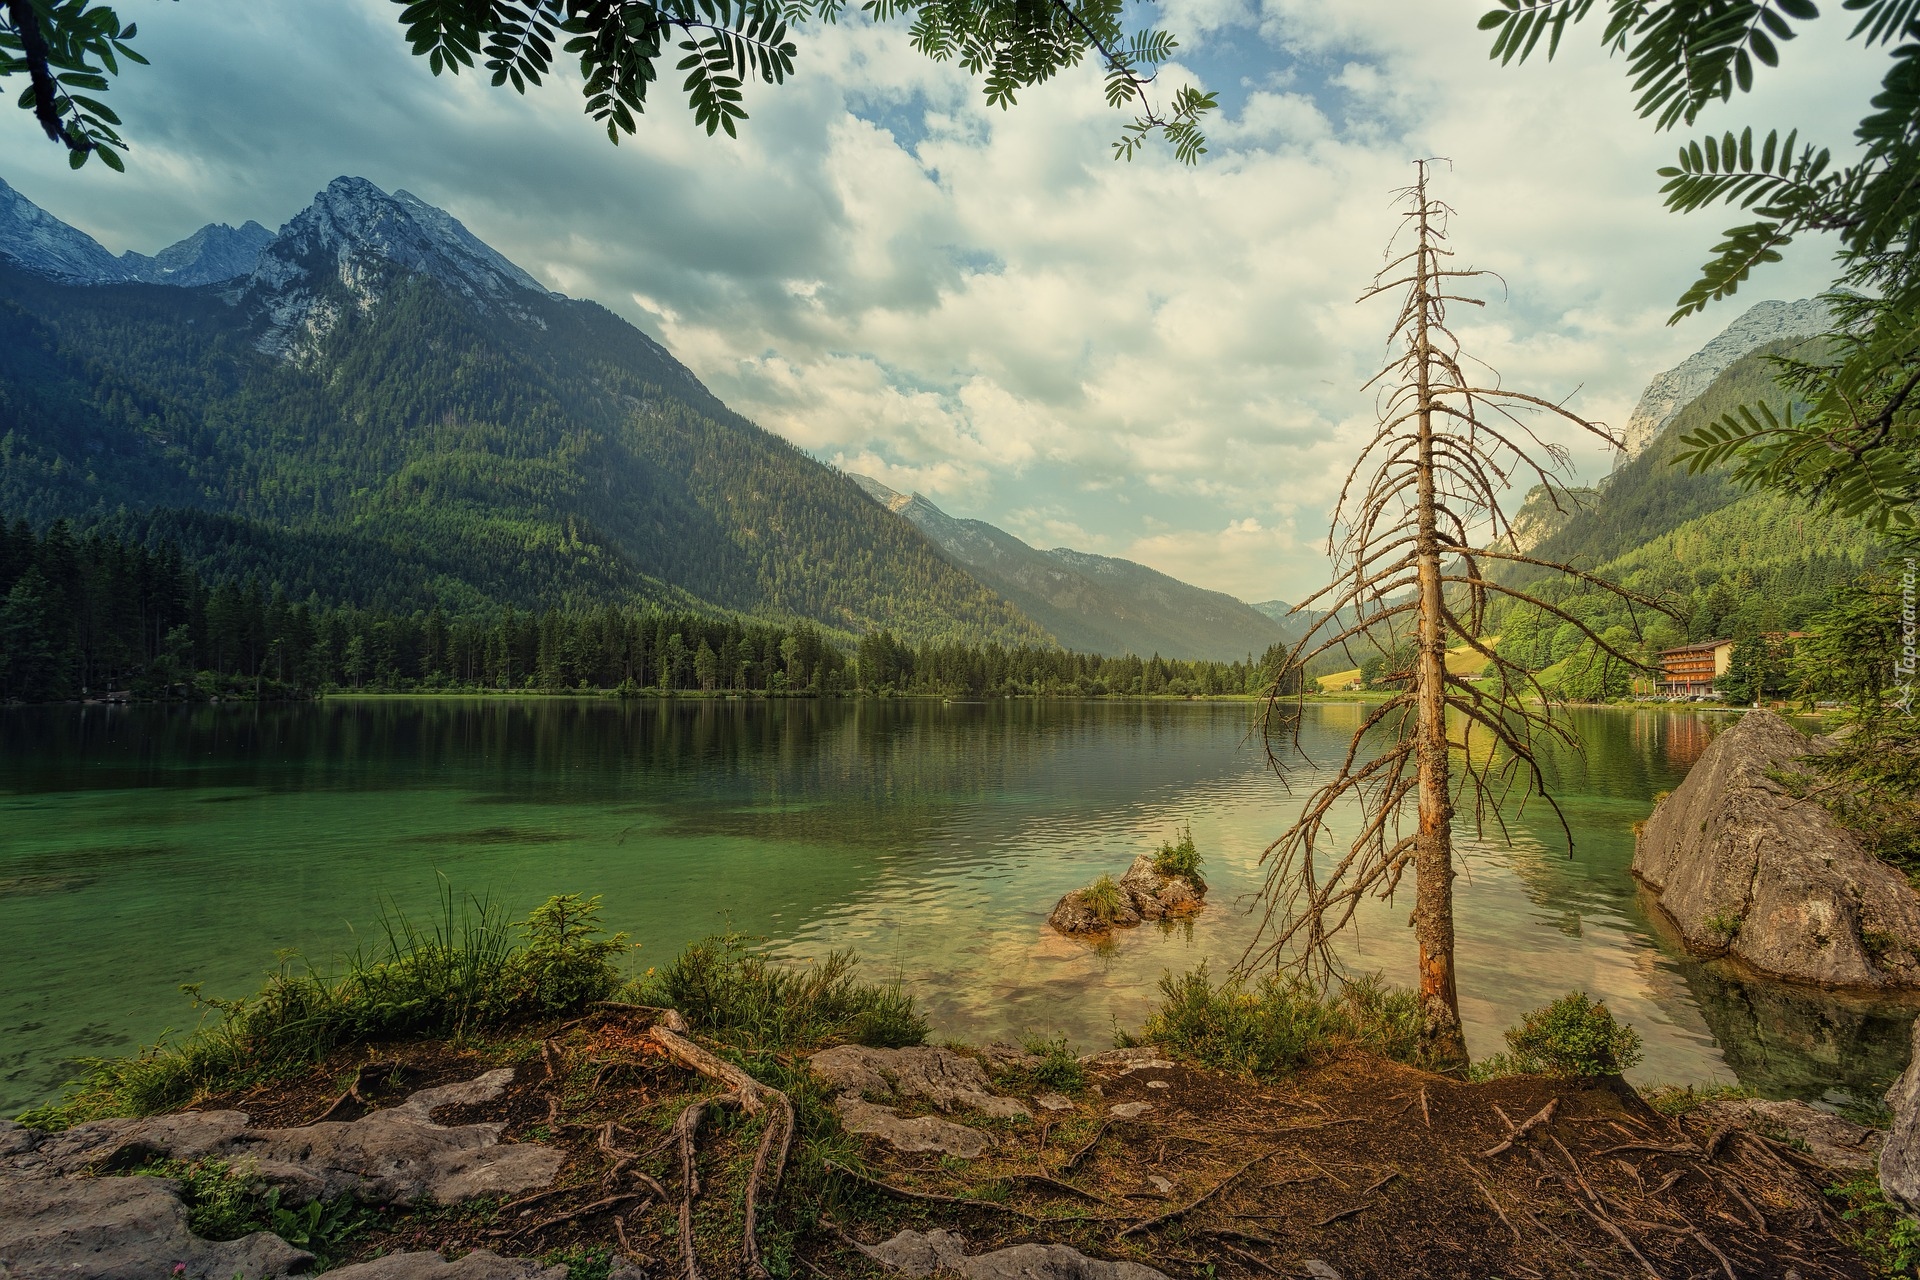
x: 214, y: 253
x: 355, y: 235
x: 36, y: 240
x: 1673, y: 390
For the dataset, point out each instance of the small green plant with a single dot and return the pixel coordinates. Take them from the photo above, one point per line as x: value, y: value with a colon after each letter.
x: 1724, y: 926
x: 227, y: 1201
x: 1105, y: 899
x: 1180, y: 858
x: 736, y: 994
x: 583, y: 1262
x: 1279, y: 1023
x: 1885, y: 1234
x: 1058, y: 1068
x: 1573, y: 1036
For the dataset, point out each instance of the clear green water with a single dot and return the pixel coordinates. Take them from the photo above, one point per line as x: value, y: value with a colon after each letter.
x: 143, y: 848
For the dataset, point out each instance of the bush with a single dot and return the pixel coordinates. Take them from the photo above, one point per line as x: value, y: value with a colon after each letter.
x: 474, y: 969
x: 738, y: 995
x: 1180, y: 859
x: 1058, y: 1068
x: 1280, y: 1023
x: 1573, y: 1036
x: 1105, y: 899
x: 1884, y: 1233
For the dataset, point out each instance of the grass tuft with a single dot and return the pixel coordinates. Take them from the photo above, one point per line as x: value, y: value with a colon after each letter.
x: 473, y: 969
x: 1105, y: 899
x: 1058, y: 1069
x: 740, y: 997
x: 1280, y: 1023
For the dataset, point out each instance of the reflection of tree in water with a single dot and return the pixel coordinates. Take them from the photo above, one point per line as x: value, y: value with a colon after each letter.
x: 1785, y: 1041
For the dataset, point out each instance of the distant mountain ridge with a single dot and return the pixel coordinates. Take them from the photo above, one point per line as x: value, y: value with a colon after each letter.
x: 1093, y: 603
x: 381, y: 409
x: 1670, y: 392
x: 36, y: 240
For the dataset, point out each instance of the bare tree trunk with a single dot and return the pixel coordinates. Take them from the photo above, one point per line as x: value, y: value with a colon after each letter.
x: 1442, y: 1043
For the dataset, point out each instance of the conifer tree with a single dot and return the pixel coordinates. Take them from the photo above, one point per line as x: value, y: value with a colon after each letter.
x: 1418, y: 527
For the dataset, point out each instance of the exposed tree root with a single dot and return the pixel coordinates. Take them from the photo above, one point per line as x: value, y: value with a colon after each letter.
x: 1185, y: 1209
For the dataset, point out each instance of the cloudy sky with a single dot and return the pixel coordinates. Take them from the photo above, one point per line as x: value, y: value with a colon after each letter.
x: 1142, y: 359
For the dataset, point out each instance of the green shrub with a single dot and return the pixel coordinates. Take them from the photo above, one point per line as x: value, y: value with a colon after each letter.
x: 227, y: 1202
x: 1884, y: 1233
x: 1105, y: 899
x: 1058, y: 1068
x: 1280, y: 1023
x: 1180, y: 859
x: 1573, y: 1036
x: 473, y: 969
x: 738, y: 995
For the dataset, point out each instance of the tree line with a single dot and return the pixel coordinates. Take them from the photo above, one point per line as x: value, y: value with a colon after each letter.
x: 96, y: 614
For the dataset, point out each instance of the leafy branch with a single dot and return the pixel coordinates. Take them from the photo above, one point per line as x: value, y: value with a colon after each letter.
x: 67, y: 49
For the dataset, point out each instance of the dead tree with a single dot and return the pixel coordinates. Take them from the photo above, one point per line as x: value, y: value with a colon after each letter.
x: 1416, y: 540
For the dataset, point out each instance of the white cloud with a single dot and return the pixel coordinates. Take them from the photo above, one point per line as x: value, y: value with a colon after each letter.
x: 980, y: 303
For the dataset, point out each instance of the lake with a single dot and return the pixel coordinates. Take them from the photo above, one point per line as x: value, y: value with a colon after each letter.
x: 146, y: 847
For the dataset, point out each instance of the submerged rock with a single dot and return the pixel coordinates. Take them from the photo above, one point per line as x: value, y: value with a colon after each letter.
x: 1745, y: 869
x: 940, y: 1252
x: 1145, y: 894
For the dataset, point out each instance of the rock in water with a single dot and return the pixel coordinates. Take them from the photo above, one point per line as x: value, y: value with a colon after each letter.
x: 1145, y: 894
x: 1747, y: 870
x: 1157, y: 896
x: 1074, y: 914
x: 939, y: 1252
x: 1900, y: 1154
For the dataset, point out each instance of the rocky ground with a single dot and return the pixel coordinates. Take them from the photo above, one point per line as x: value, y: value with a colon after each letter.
x: 615, y: 1144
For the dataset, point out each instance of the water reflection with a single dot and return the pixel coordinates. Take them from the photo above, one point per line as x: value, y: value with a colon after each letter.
x: 145, y: 847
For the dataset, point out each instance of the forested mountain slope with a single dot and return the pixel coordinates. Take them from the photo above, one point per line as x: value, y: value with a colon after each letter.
x: 1093, y: 604
x: 385, y: 411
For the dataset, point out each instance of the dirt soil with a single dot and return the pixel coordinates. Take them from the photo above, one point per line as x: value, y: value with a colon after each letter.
x: 1372, y: 1168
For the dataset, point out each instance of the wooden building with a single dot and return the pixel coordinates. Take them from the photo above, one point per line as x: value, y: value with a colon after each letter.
x: 1689, y: 671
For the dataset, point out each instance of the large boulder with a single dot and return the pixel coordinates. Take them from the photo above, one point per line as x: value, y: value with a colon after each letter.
x: 1746, y: 869
x: 1835, y: 1142
x: 1900, y: 1153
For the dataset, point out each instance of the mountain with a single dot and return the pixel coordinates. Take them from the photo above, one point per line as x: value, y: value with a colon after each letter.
x: 1095, y: 604
x: 383, y: 410
x: 34, y: 239
x: 1762, y: 324
x: 1726, y: 561
x: 214, y: 253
